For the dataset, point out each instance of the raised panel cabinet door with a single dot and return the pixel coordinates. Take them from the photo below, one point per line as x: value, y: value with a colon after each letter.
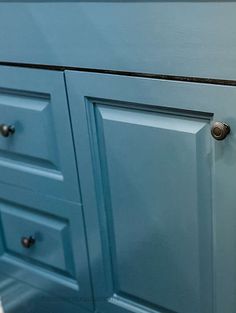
x: 36, y: 148
x: 158, y: 192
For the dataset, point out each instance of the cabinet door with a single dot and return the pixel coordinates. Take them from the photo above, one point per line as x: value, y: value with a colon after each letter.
x: 158, y: 192
x: 39, y: 155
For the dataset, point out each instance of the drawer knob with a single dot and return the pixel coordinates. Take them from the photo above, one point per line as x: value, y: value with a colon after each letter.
x: 220, y: 130
x: 6, y: 130
x: 27, y: 242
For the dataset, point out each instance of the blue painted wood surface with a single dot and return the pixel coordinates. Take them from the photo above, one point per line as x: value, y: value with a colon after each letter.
x: 57, y: 264
x: 20, y: 297
x: 40, y: 196
x: 188, y: 38
x: 157, y: 191
x: 154, y: 223
x: 39, y: 156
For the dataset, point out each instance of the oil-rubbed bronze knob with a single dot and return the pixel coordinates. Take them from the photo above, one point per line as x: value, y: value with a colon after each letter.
x: 220, y: 130
x: 6, y: 130
x: 27, y: 242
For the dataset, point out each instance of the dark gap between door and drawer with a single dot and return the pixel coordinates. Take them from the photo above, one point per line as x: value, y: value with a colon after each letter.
x: 214, y: 81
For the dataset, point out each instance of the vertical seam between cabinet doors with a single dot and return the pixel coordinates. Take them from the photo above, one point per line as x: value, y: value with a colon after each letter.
x: 82, y: 206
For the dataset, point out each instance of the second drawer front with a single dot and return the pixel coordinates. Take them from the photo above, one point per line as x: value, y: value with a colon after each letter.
x: 42, y: 243
x: 37, y: 238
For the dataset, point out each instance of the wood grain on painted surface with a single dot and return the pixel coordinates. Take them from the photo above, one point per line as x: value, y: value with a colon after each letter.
x: 187, y: 38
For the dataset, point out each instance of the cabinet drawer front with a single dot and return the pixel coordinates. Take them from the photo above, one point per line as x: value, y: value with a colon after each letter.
x: 157, y: 192
x: 39, y: 154
x: 56, y: 260
x: 50, y: 236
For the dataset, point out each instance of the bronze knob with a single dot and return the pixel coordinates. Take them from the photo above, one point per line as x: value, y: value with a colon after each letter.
x: 27, y: 242
x: 6, y: 130
x: 220, y: 130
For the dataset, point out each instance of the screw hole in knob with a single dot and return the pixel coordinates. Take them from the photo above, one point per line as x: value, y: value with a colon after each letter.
x: 7, y: 130
x: 220, y: 130
x: 27, y: 242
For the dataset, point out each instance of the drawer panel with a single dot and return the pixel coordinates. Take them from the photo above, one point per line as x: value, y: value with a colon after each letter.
x: 39, y: 238
x: 33, y: 141
x: 56, y: 261
x: 39, y: 154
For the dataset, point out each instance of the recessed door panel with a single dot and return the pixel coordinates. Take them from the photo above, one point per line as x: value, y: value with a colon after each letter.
x: 157, y: 192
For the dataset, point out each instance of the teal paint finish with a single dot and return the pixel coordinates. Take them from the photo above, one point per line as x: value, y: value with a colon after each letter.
x: 157, y: 192
x: 187, y: 38
x: 155, y: 215
x: 52, y: 245
x: 40, y: 197
x: 39, y: 156
x: 57, y: 264
x: 22, y: 298
x: 152, y: 229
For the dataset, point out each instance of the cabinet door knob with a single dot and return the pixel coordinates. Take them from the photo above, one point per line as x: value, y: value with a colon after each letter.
x: 220, y: 130
x: 6, y: 130
x: 27, y: 242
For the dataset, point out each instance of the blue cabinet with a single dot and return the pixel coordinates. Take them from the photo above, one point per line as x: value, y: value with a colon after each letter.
x: 115, y: 195
x: 157, y: 192
x: 117, y: 156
